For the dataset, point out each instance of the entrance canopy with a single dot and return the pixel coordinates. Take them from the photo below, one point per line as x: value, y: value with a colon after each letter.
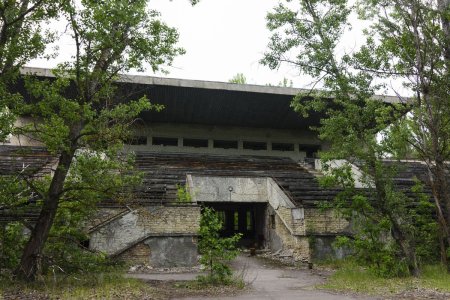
x: 212, y: 103
x: 225, y: 189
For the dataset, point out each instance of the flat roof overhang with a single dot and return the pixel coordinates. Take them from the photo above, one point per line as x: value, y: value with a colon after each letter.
x: 212, y: 103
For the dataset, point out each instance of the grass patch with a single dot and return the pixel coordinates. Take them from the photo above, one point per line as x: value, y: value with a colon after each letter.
x: 100, y: 286
x: 112, y: 285
x: 350, y: 277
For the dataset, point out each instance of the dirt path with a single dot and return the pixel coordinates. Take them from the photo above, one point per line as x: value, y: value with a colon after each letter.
x: 276, y: 282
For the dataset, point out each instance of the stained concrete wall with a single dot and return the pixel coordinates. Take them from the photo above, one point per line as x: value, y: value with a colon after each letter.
x: 163, y: 251
x: 289, y: 233
x: 240, y: 134
x: 138, y: 225
x: 319, y: 221
x: 172, y: 251
x: 217, y: 189
x: 322, y: 248
x: 237, y: 189
x: 22, y: 140
x: 281, y: 239
x: 163, y: 236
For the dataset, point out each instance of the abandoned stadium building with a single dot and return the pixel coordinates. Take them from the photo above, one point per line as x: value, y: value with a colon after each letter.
x: 239, y: 149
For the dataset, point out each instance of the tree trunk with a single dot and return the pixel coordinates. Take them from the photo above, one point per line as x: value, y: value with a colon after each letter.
x: 401, y: 236
x: 407, y: 248
x: 31, y: 257
x: 438, y: 182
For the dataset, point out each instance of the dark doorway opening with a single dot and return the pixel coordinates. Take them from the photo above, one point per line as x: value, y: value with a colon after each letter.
x: 245, y: 218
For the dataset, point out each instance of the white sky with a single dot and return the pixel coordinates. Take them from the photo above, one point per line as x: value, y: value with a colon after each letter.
x: 221, y: 38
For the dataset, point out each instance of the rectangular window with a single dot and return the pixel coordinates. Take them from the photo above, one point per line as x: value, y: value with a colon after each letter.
x: 249, y: 217
x: 236, y: 221
x: 222, y: 218
x: 282, y: 147
x: 311, y: 150
x: 164, y: 141
x: 196, y: 143
x: 255, y: 145
x: 136, y: 140
x: 225, y: 144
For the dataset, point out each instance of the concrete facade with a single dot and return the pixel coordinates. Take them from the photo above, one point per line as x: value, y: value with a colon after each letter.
x: 288, y: 228
x: 240, y: 134
x: 149, y: 235
x: 166, y: 235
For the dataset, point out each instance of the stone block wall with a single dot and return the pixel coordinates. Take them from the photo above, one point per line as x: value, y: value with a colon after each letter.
x: 131, y: 228
x: 139, y: 254
x: 297, y: 227
x: 169, y: 219
x: 280, y: 238
x: 102, y: 215
x: 324, y: 222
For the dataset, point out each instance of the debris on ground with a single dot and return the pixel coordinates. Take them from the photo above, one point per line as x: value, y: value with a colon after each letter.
x: 143, y: 268
x: 420, y: 293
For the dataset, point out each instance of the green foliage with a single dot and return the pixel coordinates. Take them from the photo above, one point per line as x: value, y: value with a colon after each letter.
x: 215, y: 251
x: 283, y: 83
x: 12, y: 240
x: 360, y: 129
x: 239, y: 78
x: 21, y: 39
x: 96, y: 285
x: 82, y: 118
x: 378, y: 222
x: 351, y: 277
x: 183, y: 195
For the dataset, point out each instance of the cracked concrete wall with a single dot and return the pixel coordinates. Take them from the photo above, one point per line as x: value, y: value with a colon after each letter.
x: 173, y: 251
x: 165, y: 251
x: 134, y: 226
x: 217, y: 189
x: 322, y: 248
x: 281, y: 240
x: 240, y: 134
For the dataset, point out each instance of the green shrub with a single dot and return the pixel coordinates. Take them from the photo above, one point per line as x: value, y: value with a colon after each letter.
x: 12, y: 241
x: 215, y: 251
x: 183, y: 195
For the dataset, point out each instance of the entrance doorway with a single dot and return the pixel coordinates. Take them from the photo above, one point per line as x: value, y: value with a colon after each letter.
x: 245, y: 218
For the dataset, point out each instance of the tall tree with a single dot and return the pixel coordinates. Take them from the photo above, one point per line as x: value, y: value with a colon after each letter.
x: 21, y: 39
x: 79, y: 115
x: 412, y: 38
x: 308, y: 34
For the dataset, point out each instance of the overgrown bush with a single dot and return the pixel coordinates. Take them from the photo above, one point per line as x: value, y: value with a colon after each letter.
x: 12, y: 240
x: 394, y: 232
x: 215, y: 251
x: 67, y: 250
x: 183, y: 195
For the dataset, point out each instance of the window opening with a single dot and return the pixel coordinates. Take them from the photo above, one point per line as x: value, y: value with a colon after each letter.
x: 225, y: 144
x: 164, y: 141
x: 222, y: 218
x: 311, y: 150
x: 255, y: 145
x: 282, y: 146
x: 136, y: 140
x: 249, y: 220
x: 236, y: 221
x: 196, y: 143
